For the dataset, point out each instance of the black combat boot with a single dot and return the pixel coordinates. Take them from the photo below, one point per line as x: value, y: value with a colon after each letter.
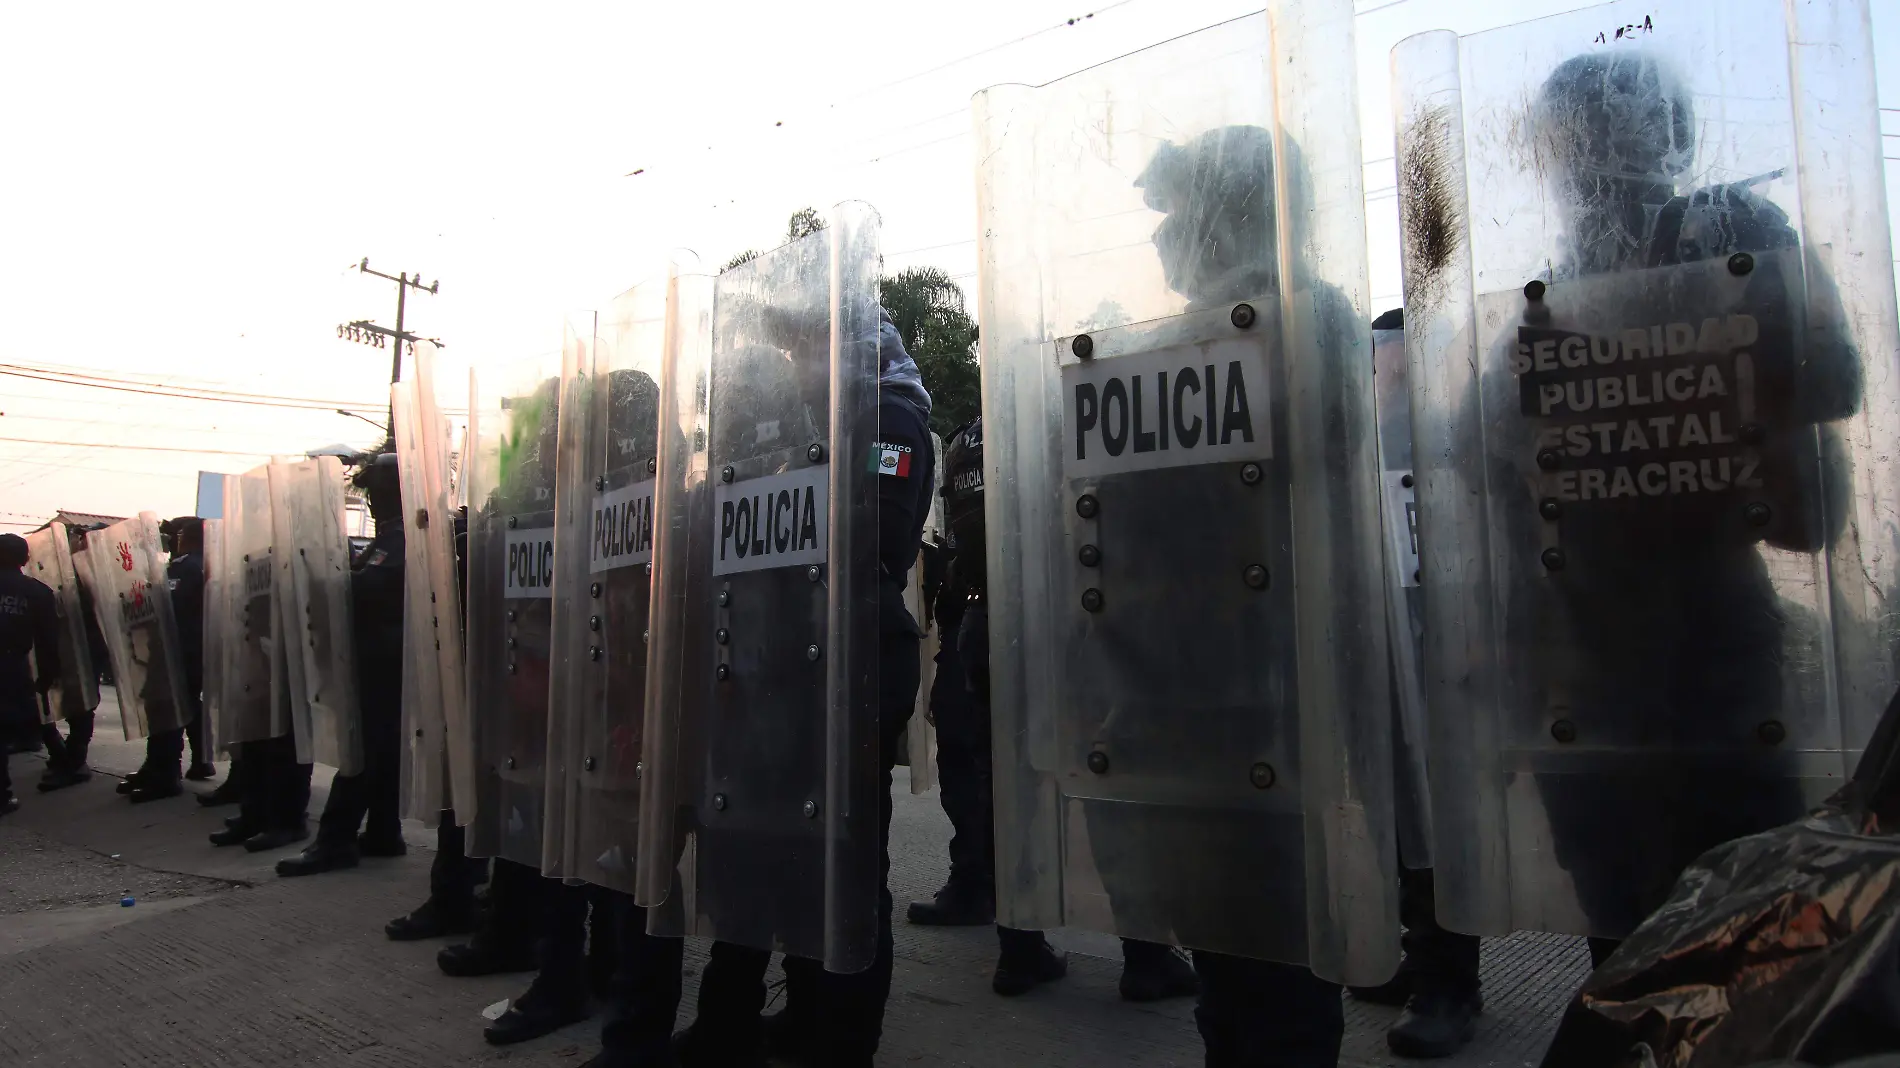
x: 319, y: 858
x: 431, y: 920
x: 381, y: 844
x: 1435, y: 1023
x: 955, y: 906
x: 486, y: 955
x: 1026, y: 962
x: 1154, y: 972
x: 278, y: 838
x: 1394, y: 991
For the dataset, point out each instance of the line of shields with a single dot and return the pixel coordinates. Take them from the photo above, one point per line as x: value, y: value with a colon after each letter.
x: 1582, y: 572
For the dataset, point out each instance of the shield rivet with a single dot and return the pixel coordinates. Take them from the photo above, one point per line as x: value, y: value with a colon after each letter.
x: 719, y: 802
x: 511, y: 522
x: 1756, y: 513
x: 725, y: 473
x: 422, y: 518
x: 1262, y: 776
x: 1549, y: 508
x: 511, y: 643
x: 600, y: 482
x: 812, y: 573
x: 722, y: 673
x: 725, y: 598
x: 1548, y: 459
x: 593, y: 590
x: 1087, y: 506
x: 1255, y: 576
x: 1564, y: 731
x: 1083, y: 346
x: 1553, y: 559
x: 649, y: 570
x: 1243, y: 316
x: 646, y: 636
x: 1098, y: 762
x: 1534, y: 289
x: 639, y: 769
x: 511, y: 667
x: 1250, y: 474
x: 815, y: 453
x: 1092, y: 599
x: 593, y: 622
x: 811, y: 653
x: 1771, y: 732
x: 418, y: 732
x: 588, y: 764
x: 1407, y: 481
x: 511, y: 615
x: 722, y: 636
x: 652, y: 465
x: 511, y: 763
x: 1089, y: 556
x: 1741, y: 263
x: 811, y: 810
x: 593, y: 652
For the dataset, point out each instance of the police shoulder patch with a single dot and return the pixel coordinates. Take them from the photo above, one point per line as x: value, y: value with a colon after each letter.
x: 888, y: 459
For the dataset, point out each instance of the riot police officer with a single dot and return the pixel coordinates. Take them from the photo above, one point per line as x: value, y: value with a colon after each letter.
x: 374, y: 795
x: 29, y: 624
x: 831, y: 1018
x: 960, y: 700
x: 66, y: 754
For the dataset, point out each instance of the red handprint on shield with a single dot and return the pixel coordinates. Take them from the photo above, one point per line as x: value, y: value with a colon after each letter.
x: 125, y: 557
x: 138, y: 596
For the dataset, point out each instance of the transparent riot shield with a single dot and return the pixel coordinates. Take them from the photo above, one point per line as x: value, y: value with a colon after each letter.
x: 605, y: 563
x: 217, y: 586
x: 249, y: 650
x: 318, y: 558
x: 1187, y: 630
x: 429, y: 407
x: 50, y: 560
x: 514, y: 429
x: 1405, y: 611
x: 1651, y: 322
x: 133, y: 605
x: 289, y: 622
x: 778, y: 747
x: 920, y: 737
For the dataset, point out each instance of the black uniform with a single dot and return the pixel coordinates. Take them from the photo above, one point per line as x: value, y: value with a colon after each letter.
x: 376, y: 585
x: 29, y: 623
x: 833, y: 1019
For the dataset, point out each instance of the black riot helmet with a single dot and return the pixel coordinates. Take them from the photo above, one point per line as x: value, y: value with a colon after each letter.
x: 380, y: 481
x: 1219, y: 242
x: 1613, y: 131
x: 963, y: 501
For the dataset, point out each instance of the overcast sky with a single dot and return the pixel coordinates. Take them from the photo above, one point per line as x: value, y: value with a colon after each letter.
x: 187, y: 188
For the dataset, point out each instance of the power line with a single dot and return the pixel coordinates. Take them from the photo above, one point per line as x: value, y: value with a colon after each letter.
x: 143, y: 448
x: 68, y: 378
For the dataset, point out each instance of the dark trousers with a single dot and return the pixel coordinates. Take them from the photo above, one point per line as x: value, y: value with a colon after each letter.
x: 1437, y: 960
x: 165, y: 749
x: 963, y: 766
x: 568, y: 956
x: 274, y: 790
x: 453, y: 875
x: 1259, y: 1014
x: 70, y: 750
x: 375, y: 793
x: 848, y: 1010
x: 517, y: 897
x: 644, y: 994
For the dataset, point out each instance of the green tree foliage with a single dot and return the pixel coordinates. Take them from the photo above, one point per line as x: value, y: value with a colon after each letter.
x: 804, y: 223
x: 928, y: 311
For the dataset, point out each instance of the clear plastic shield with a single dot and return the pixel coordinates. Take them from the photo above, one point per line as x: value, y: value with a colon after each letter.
x: 215, y: 617
x: 319, y: 557
x: 514, y: 430
x: 604, y: 564
x: 50, y: 560
x: 290, y: 664
x: 1650, y: 313
x: 133, y: 605
x: 920, y: 738
x: 428, y: 407
x: 1188, y: 655
x: 778, y: 751
x: 248, y: 614
x: 1405, y: 609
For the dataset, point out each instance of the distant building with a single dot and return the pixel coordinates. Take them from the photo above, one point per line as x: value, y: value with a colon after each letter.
x: 81, y: 520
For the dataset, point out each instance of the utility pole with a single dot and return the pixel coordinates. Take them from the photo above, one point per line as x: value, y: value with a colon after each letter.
x: 362, y: 330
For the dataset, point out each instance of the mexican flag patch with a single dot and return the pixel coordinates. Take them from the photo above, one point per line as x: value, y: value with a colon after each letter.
x: 890, y: 459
